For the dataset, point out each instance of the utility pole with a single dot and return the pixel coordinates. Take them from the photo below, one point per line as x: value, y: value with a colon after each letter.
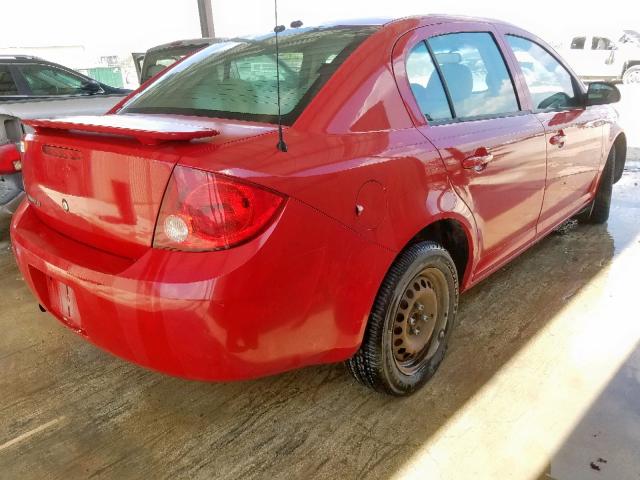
x: 206, y: 18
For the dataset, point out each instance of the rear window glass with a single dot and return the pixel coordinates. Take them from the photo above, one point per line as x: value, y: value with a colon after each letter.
x: 156, y: 61
x: 475, y: 74
x: 426, y: 85
x: 237, y: 79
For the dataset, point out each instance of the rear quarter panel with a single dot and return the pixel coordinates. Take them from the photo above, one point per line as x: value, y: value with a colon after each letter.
x: 354, y: 145
x: 397, y: 177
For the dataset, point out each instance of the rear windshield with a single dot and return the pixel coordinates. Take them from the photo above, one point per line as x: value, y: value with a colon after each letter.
x: 237, y: 79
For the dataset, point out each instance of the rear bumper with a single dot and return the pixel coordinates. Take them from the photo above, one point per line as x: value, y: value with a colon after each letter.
x: 292, y: 297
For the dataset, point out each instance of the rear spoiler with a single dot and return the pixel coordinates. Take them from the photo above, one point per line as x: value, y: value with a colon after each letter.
x: 148, y: 130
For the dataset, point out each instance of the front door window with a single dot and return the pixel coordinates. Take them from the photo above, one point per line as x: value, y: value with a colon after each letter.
x: 50, y: 81
x: 550, y: 84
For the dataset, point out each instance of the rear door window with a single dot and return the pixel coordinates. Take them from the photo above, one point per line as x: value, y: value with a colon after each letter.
x: 551, y: 86
x: 475, y: 74
x: 50, y: 81
x: 7, y: 84
x: 426, y: 85
x: 601, y: 43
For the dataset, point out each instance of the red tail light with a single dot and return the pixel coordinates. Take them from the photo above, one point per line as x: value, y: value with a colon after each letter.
x: 10, y: 159
x: 206, y: 211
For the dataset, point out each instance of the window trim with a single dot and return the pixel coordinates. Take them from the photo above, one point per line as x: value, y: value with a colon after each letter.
x: 455, y: 118
x: 478, y: 118
x: 445, y: 87
x: 580, y: 94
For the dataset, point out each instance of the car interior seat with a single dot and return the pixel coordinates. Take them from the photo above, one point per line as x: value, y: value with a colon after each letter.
x: 459, y: 80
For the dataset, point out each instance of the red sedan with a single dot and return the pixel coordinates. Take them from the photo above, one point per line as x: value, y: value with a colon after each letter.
x: 419, y: 155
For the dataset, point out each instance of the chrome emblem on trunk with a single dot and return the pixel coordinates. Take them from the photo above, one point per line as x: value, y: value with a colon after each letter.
x: 65, y: 205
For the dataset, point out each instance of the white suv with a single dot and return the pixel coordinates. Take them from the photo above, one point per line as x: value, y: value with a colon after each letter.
x: 605, y: 56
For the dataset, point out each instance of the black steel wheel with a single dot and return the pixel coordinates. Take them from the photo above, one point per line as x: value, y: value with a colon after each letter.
x: 410, y: 323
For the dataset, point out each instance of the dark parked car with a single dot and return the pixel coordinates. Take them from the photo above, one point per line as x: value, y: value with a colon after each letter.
x: 31, y: 87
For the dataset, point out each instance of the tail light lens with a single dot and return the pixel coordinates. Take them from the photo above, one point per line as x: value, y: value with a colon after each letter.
x: 10, y: 161
x: 206, y: 211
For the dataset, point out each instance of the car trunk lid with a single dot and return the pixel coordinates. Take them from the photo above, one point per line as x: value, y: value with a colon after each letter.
x: 100, y: 180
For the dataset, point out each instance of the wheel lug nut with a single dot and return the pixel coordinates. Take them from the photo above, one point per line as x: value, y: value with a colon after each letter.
x: 425, y: 318
x: 419, y: 307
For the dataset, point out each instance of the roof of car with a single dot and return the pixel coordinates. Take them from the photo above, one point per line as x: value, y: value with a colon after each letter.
x: 20, y: 58
x: 187, y: 42
x: 212, y: 40
x: 365, y: 21
x: 426, y: 19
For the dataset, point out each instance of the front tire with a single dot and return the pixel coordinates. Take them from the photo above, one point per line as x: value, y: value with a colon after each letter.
x: 601, y: 206
x: 410, y: 323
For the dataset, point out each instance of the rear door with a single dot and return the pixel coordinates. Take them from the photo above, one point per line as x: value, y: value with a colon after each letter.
x: 573, y: 132
x: 494, y: 151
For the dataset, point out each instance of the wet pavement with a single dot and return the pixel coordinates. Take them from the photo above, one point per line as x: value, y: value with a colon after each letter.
x: 542, y: 381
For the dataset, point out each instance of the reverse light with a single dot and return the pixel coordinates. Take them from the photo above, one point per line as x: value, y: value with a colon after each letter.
x: 176, y: 228
x: 206, y: 211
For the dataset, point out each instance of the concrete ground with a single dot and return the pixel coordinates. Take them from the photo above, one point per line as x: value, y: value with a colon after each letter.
x: 542, y: 381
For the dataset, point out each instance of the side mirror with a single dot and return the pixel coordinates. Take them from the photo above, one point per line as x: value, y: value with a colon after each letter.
x: 602, y: 93
x: 91, y: 87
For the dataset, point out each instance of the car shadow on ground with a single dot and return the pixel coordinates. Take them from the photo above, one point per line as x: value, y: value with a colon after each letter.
x: 120, y: 421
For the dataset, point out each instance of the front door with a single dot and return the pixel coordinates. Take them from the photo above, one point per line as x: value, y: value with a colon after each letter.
x: 495, y: 153
x: 573, y: 132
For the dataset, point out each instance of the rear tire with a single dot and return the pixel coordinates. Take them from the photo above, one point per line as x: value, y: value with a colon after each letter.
x: 632, y: 76
x: 601, y: 206
x: 410, y: 323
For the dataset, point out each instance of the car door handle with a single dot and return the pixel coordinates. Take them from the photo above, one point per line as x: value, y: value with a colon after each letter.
x: 558, y: 140
x: 478, y: 161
